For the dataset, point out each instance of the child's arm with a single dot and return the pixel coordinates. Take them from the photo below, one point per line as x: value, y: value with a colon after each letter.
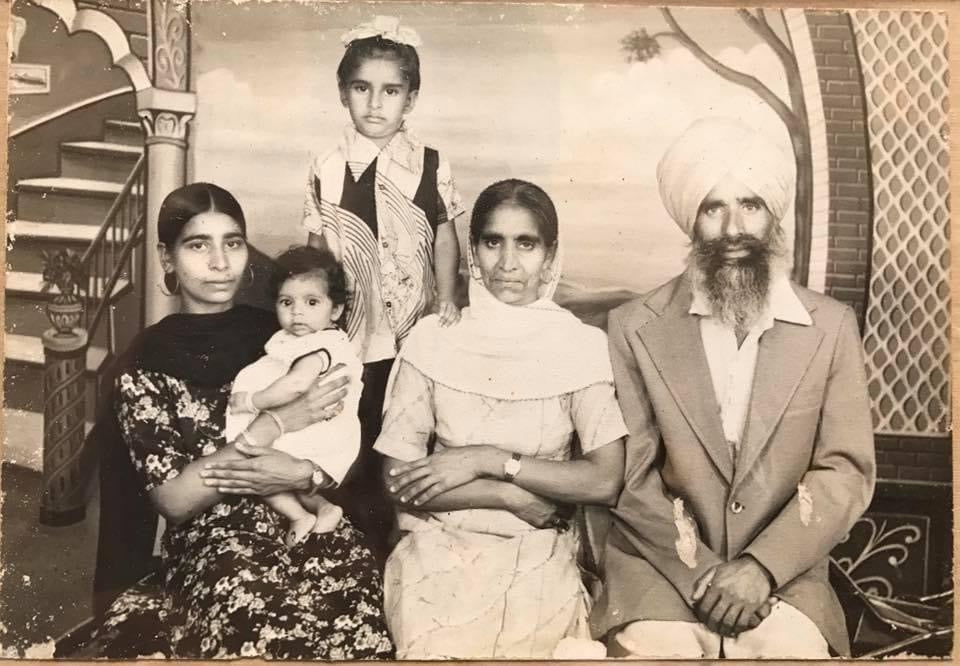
x: 293, y: 384
x: 446, y: 247
x: 319, y: 235
x: 446, y: 252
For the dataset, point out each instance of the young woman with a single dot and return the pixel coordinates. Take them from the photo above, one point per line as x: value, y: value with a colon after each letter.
x: 486, y: 569
x: 231, y: 586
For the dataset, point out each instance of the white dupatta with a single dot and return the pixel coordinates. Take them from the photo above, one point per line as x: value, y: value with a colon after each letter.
x: 509, y: 352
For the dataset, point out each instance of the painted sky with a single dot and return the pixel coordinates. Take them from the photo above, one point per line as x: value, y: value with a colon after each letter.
x: 538, y: 92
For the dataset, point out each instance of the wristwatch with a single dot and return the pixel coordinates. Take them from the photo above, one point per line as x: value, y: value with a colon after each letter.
x: 319, y: 481
x: 512, y: 467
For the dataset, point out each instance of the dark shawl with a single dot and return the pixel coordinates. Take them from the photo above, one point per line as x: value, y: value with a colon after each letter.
x: 204, y: 350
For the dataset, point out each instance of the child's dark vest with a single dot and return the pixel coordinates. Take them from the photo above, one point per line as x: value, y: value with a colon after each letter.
x: 358, y: 196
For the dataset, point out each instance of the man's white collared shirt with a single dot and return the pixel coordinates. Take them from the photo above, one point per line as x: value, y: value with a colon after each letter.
x: 732, y: 368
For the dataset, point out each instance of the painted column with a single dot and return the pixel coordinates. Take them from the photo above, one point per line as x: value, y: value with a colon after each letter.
x: 799, y: 32
x: 64, y: 491
x: 165, y: 111
x: 164, y: 115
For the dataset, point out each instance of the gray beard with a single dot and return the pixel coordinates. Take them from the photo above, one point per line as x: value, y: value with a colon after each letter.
x: 737, y: 290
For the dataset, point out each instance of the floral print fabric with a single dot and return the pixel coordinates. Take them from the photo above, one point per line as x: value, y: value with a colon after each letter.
x: 230, y: 586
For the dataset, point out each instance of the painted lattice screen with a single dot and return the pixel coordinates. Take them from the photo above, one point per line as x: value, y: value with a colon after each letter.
x: 907, y: 328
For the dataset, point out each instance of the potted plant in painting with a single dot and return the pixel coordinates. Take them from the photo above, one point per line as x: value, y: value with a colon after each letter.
x: 64, y: 270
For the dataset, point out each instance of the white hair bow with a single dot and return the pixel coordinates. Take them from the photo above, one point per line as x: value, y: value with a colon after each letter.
x: 387, y: 27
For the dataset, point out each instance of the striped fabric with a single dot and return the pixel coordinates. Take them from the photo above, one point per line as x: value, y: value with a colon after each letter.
x: 378, y: 211
x: 361, y: 261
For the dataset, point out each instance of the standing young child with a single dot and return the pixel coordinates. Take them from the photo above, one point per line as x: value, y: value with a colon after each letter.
x: 384, y: 204
x: 310, y: 292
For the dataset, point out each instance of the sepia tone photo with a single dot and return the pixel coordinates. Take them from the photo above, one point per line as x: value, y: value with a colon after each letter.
x: 341, y: 331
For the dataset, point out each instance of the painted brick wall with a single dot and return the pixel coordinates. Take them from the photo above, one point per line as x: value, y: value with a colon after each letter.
x: 850, y: 221
x: 851, y: 202
x: 914, y: 458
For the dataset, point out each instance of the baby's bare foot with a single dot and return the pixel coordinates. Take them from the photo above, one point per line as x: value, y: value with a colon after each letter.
x: 328, y: 517
x: 299, y: 530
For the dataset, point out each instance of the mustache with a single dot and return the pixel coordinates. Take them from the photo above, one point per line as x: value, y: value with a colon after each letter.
x: 736, y: 287
x: 713, y: 252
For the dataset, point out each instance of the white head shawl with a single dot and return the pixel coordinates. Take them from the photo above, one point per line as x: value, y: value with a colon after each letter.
x: 509, y: 352
x: 712, y: 148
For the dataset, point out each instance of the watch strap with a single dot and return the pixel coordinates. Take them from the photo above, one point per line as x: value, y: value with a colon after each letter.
x: 512, y: 467
x: 324, y: 483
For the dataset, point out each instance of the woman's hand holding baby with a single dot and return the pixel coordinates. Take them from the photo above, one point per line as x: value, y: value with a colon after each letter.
x: 322, y: 401
x: 266, y: 471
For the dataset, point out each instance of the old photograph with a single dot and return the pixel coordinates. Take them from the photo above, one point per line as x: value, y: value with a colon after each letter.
x: 476, y: 331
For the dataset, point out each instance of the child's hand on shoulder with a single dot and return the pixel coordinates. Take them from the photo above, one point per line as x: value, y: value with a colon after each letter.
x: 449, y: 313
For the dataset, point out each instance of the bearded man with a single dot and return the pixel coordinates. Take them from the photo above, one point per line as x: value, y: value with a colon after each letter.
x: 750, y: 453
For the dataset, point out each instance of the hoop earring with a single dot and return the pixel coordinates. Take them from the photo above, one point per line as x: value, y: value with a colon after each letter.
x: 172, y: 284
x: 249, y: 275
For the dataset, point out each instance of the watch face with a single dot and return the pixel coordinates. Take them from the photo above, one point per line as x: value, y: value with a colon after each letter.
x: 512, y: 467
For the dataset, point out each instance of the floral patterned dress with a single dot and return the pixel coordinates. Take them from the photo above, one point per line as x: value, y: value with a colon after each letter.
x: 231, y: 587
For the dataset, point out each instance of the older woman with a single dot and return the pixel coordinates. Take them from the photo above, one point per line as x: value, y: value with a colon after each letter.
x: 231, y: 587
x: 486, y: 569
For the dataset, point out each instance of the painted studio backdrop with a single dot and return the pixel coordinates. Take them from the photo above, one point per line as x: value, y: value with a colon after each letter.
x: 112, y: 106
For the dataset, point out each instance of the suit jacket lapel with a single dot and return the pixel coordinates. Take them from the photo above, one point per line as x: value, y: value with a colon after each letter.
x: 783, y: 358
x: 676, y: 348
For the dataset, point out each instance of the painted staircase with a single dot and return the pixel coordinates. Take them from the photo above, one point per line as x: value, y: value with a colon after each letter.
x: 131, y: 15
x: 65, y: 210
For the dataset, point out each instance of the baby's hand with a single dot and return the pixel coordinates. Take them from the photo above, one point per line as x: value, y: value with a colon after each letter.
x: 449, y: 313
x: 238, y: 402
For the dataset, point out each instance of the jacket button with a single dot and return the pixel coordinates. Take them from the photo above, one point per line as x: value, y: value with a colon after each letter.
x: 736, y: 507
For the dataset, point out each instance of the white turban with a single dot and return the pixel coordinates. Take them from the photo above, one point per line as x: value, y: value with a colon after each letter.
x: 716, y: 147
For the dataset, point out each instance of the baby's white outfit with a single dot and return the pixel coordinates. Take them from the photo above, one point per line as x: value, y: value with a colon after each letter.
x: 332, y: 445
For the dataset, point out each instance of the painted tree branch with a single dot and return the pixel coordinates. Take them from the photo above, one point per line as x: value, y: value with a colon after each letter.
x: 732, y: 75
x: 762, y: 15
x: 766, y: 33
x: 795, y: 119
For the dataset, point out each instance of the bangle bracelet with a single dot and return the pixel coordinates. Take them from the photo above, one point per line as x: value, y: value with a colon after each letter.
x: 276, y: 419
x: 248, y: 403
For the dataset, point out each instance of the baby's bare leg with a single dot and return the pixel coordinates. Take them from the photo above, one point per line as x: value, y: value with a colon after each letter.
x: 301, y: 520
x: 327, y: 513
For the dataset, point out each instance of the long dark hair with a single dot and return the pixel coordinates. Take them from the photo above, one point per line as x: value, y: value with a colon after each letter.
x: 185, y: 203
x: 515, y: 192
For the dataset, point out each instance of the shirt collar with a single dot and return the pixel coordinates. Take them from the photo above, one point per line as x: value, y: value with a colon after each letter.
x: 783, y: 304
x: 403, y: 149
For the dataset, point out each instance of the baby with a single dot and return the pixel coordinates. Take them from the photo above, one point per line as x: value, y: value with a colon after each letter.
x: 310, y: 289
